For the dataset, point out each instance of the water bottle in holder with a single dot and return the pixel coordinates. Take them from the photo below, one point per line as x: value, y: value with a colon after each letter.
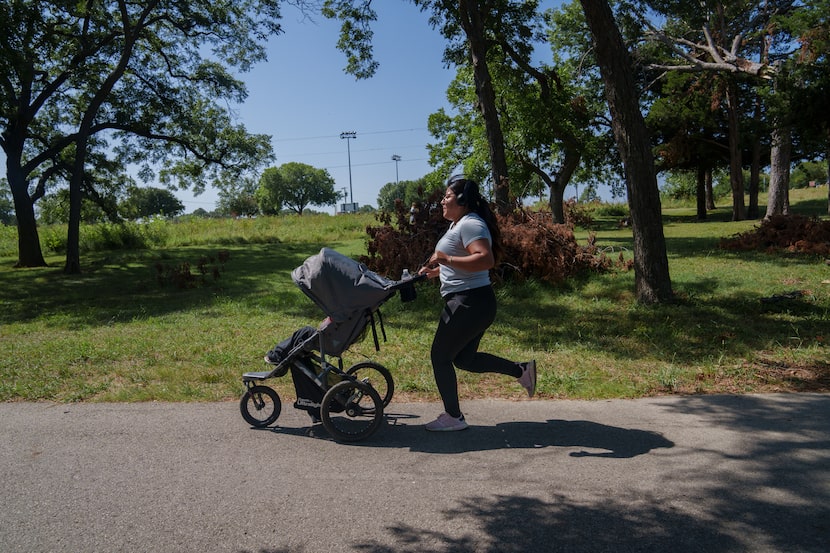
x: 408, y: 290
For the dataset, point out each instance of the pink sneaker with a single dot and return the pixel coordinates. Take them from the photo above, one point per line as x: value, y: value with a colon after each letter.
x: 528, y: 378
x: 446, y: 423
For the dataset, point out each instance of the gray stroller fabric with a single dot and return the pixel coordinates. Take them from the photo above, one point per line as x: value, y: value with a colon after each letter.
x: 301, y: 337
x: 341, y: 286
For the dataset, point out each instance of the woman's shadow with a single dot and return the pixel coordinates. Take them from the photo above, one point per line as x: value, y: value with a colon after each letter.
x: 594, y: 439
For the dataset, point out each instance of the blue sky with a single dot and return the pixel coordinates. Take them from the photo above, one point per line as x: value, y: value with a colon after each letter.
x: 304, y: 100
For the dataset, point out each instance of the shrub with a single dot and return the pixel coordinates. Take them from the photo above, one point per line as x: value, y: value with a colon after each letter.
x: 179, y: 274
x: 117, y: 236
x: 611, y: 210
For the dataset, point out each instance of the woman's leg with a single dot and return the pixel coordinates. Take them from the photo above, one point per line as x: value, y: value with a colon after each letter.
x: 464, y: 319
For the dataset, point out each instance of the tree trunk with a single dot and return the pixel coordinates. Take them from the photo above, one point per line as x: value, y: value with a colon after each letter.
x: 779, y: 172
x: 471, y: 21
x: 827, y: 157
x: 29, y: 253
x: 736, y: 174
x: 752, y: 211
x: 755, y: 169
x: 701, y: 193
x: 560, y: 183
x: 73, y: 233
x: 651, y: 266
x: 710, y: 194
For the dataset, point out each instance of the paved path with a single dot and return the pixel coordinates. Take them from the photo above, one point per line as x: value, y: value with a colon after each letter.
x: 680, y: 474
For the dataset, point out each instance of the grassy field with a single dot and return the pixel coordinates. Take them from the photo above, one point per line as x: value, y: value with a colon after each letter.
x: 124, y: 331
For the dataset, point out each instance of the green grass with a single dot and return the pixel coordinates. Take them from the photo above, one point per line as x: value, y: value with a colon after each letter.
x: 114, y: 333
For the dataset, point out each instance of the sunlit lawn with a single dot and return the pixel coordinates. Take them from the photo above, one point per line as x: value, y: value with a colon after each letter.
x: 115, y: 333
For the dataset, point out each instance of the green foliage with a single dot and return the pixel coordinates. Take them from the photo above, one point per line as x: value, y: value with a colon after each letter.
x: 613, y: 210
x: 6, y: 204
x: 144, y: 202
x: 54, y: 209
x: 809, y: 171
x: 295, y: 186
x: 680, y: 185
x: 238, y: 199
x: 107, y: 236
x: 355, y: 34
x: 408, y: 192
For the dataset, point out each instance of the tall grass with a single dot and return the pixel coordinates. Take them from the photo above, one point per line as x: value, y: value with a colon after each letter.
x: 122, y: 332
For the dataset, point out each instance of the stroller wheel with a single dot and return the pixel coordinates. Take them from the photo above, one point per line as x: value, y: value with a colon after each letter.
x: 377, y: 376
x: 260, y: 406
x: 351, y: 411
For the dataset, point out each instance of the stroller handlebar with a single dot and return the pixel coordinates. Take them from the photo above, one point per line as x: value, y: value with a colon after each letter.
x: 407, y: 287
x: 398, y: 284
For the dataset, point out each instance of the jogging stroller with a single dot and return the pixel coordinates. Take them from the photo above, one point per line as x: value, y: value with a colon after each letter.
x: 349, y: 402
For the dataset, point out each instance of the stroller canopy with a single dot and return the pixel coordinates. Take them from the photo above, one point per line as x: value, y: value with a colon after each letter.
x: 341, y: 286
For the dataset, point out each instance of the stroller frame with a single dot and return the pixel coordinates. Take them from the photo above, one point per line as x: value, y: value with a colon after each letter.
x: 349, y: 403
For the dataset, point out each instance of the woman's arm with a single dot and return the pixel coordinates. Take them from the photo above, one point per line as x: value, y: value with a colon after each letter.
x: 479, y: 258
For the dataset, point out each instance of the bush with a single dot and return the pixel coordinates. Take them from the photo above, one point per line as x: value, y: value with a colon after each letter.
x: 611, y: 210
x: 180, y: 275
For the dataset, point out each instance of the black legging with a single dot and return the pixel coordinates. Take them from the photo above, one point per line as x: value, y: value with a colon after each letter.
x: 465, y: 317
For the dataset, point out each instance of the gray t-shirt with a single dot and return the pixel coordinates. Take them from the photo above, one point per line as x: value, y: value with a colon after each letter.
x: 469, y: 228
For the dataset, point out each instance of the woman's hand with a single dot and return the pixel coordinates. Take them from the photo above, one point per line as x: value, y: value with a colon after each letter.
x: 431, y: 270
x: 432, y: 267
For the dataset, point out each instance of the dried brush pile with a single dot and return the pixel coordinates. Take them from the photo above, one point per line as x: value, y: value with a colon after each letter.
x: 534, y: 247
x: 791, y: 233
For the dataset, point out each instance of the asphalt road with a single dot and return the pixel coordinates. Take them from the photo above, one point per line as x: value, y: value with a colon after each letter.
x: 679, y: 474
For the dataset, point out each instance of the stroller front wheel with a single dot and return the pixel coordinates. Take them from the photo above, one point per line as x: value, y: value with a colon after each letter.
x: 377, y: 376
x: 351, y: 411
x: 260, y: 406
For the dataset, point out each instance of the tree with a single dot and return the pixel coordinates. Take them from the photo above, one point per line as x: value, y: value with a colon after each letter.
x: 651, y: 266
x: 716, y: 51
x: 152, y: 77
x: 472, y: 28
x: 689, y: 134
x: 295, y: 186
x: 808, y: 171
x: 729, y: 35
x: 548, y: 115
x: 406, y: 191
x: 239, y: 198
x: 54, y: 209
x: 810, y: 70
x: 148, y: 201
x: 6, y: 206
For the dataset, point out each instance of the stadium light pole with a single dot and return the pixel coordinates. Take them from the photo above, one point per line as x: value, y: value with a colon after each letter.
x: 396, y: 158
x: 348, y: 135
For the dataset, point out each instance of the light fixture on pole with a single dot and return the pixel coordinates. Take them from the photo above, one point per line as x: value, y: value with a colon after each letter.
x: 348, y: 135
x: 396, y: 158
